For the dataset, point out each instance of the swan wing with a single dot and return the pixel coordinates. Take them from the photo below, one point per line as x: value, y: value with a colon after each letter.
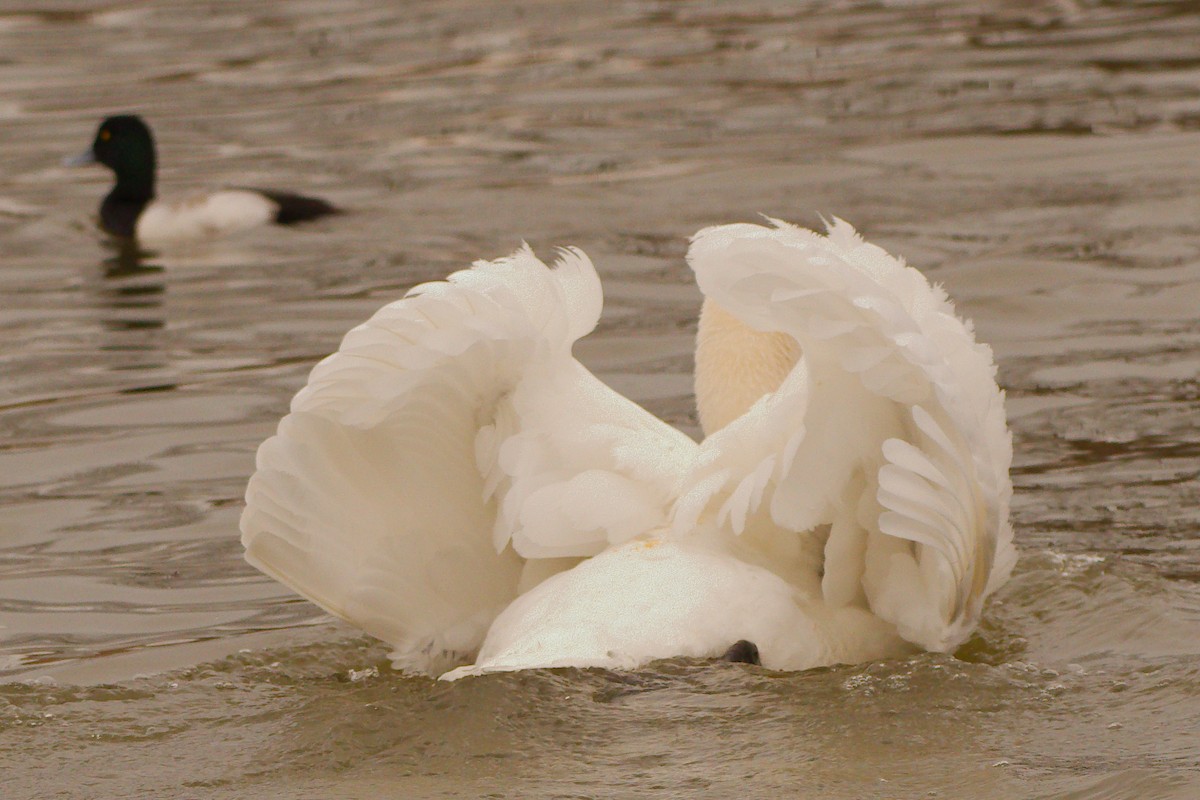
x: 878, y: 471
x: 450, y: 453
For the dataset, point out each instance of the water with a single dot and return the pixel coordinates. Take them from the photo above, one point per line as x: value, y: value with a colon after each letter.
x: 1040, y: 160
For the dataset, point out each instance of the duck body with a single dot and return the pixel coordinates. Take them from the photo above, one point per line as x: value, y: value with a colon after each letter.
x: 456, y: 483
x: 131, y: 210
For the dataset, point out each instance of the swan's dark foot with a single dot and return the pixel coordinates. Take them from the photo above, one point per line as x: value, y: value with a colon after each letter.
x: 742, y: 652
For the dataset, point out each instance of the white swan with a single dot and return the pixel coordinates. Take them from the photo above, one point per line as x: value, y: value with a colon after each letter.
x: 455, y: 483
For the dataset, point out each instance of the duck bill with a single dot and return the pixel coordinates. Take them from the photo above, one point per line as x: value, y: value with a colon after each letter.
x: 81, y: 160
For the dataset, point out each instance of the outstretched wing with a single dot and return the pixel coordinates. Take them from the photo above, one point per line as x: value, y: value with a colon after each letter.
x: 451, y: 454
x: 877, y: 473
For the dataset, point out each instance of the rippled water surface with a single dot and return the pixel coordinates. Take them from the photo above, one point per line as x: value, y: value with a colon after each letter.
x: 1041, y: 160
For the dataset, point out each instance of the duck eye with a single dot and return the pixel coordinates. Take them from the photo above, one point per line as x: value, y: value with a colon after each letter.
x: 105, y: 135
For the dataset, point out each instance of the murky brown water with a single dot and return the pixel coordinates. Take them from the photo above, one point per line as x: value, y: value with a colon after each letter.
x: 1042, y: 160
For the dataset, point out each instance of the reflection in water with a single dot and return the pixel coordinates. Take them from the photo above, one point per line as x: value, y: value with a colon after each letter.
x: 131, y: 287
x: 128, y: 259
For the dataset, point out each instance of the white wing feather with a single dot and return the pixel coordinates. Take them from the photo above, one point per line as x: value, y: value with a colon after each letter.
x: 888, y: 437
x: 453, y: 454
x: 451, y: 438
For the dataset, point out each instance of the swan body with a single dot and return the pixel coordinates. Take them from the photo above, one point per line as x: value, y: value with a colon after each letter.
x: 658, y: 597
x: 131, y: 209
x: 454, y: 482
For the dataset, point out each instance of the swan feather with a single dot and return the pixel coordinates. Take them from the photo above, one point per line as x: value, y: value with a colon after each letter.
x: 455, y: 482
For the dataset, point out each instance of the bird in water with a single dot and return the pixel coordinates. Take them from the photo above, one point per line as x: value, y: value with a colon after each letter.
x: 454, y: 482
x: 132, y: 211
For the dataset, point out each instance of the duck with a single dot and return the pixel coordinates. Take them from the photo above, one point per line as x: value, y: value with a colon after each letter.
x: 131, y: 210
x: 454, y: 482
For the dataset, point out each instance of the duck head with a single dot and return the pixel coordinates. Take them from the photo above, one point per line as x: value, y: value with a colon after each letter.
x: 125, y: 145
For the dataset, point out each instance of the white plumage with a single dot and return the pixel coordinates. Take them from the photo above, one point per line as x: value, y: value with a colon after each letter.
x: 204, y: 216
x: 455, y: 483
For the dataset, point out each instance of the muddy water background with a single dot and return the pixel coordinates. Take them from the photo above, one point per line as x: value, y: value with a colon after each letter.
x: 1042, y: 160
